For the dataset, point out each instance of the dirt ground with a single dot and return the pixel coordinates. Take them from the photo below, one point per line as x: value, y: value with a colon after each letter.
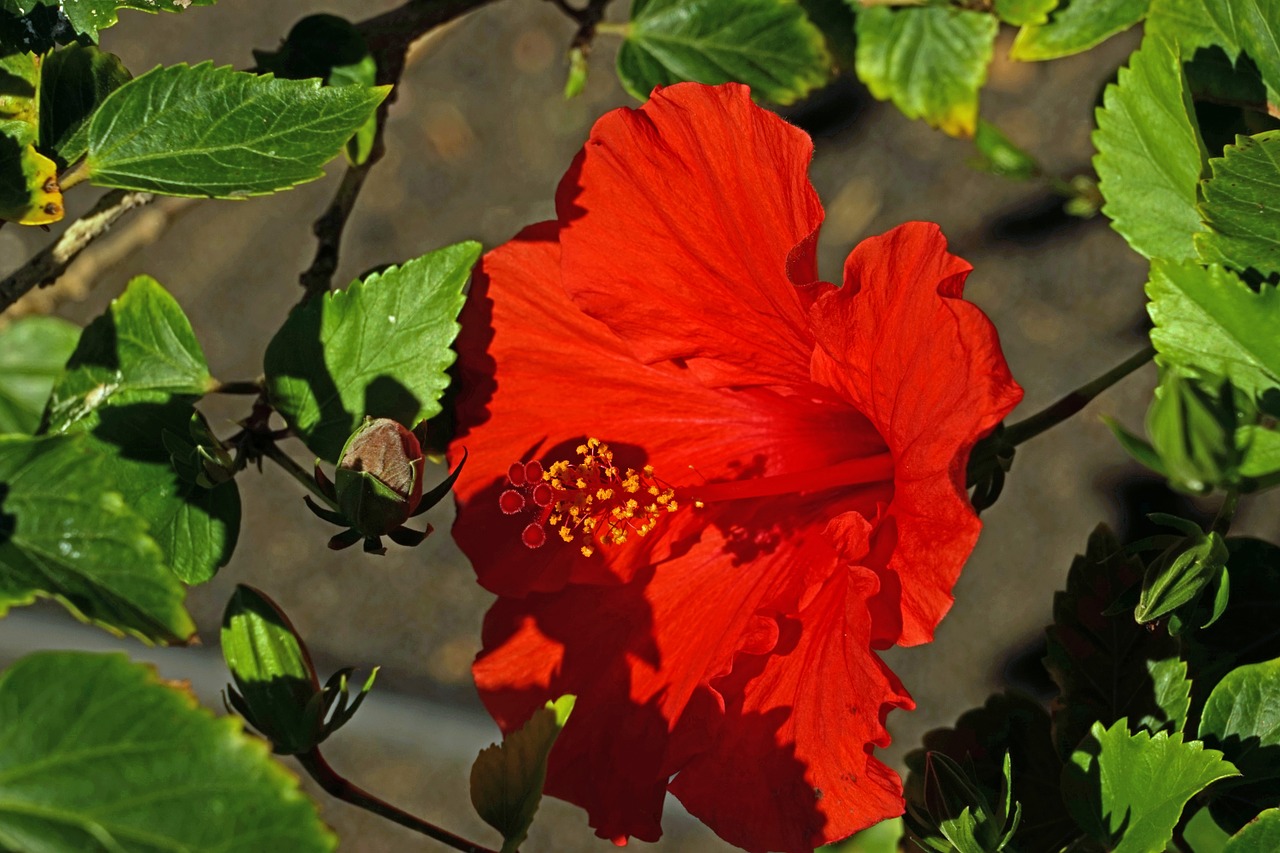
x: 477, y: 142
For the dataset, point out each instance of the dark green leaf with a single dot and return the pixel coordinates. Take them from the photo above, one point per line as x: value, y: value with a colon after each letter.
x: 379, y: 349
x: 1127, y: 791
x: 1076, y: 26
x: 63, y: 535
x: 1210, y: 323
x: 1251, y: 26
x: 1150, y: 157
x: 1242, y: 718
x: 99, y: 754
x: 837, y: 22
x: 1242, y: 206
x: 768, y: 44
x: 1108, y: 667
x: 1260, y: 835
x: 32, y: 353
x: 1008, y: 724
x: 207, y: 131
x: 89, y: 16
x: 507, y: 778
x: 1021, y: 12
x: 131, y: 379
x: 929, y: 61
x: 73, y: 84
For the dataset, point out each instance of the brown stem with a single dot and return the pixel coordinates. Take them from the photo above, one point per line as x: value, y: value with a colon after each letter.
x: 333, y: 783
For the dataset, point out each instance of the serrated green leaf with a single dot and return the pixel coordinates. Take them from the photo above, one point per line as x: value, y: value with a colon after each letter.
x: 768, y: 44
x: 1172, y: 689
x: 1127, y: 790
x: 929, y: 61
x: 64, y: 536
x: 1150, y: 157
x: 133, y: 376
x: 141, y: 346
x: 1260, y: 835
x: 1242, y: 718
x: 74, y: 82
x: 99, y: 754
x: 87, y: 17
x: 1210, y: 323
x: 1008, y: 724
x: 378, y: 349
x: 1076, y: 26
x: 1250, y: 26
x: 206, y: 131
x: 32, y: 353
x: 507, y: 778
x: 1240, y: 208
x: 1106, y: 667
x: 1022, y: 12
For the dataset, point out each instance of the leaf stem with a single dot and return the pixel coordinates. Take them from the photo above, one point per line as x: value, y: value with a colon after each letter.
x: 1226, y: 513
x: 329, y: 779
x: 237, y: 387
x: 272, y: 451
x: 1072, y: 403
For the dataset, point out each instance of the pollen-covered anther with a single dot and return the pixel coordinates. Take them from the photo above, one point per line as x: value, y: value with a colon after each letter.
x: 592, y: 497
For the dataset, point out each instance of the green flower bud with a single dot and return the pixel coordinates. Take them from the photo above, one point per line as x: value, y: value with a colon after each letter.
x: 379, y: 477
x: 1193, y: 429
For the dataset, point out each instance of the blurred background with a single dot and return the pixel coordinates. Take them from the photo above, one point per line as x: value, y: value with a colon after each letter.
x: 477, y: 140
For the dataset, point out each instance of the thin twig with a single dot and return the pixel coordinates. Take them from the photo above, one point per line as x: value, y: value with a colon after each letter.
x: 389, y: 37
x: 54, y: 259
x: 329, y: 779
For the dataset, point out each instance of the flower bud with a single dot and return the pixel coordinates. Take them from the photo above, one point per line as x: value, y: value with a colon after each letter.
x: 1193, y: 428
x: 379, y: 477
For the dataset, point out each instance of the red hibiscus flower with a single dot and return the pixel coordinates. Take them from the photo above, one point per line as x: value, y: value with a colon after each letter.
x: 774, y: 490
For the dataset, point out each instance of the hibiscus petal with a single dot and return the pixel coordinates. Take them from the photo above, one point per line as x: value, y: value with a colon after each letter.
x: 798, y: 731
x: 901, y: 345
x: 688, y: 223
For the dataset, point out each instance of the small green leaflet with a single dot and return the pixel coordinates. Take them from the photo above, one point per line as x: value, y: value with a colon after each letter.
x: 74, y: 82
x: 89, y: 16
x: 1261, y: 835
x: 1023, y: 12
x: 929, y: 61
x: 1076, y: 26
x: 1242, y: 206
x: 1242, y: 718
x: 63, y: 536
x: 1251, y: 26
x: 1150, y: 156
x: 768, y: 44
x: 206, y: 131
x: 507, y: 778
x: 1127, y: 791
x: 32, y: 353
x: 1210, y: 323
x: 380, y: 349
x: 98, y: 754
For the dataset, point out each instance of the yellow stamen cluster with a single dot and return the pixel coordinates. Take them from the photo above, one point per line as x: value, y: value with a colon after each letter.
x: 597, y: 499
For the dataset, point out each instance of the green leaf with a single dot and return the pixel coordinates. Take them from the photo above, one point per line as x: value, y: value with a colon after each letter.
x: 134, y: 376
x: 206, y: 131
x: 507, y: 778
x: 1022, y: 12
x: 768, y: 44
x: 1192, y: 424
x: 929, y: 61
x: 1260, y: 835
x: 64, y: 536
x: 1076, y: 26
x: 1127, y: 791
x: 32, y: 353
x: 378, y: 349
x: 837, y: 22
x: 1107, y: 667
x: 1242, y: 718
x: 1000, y: 156
x: 1250, y: 26
x: 1178, y: 578
x: 29, y: 192
x: 1240, y: 206
x: 331, y: 48
x: 884, y: 837
x: 99, y: 754
x: 87, y: 17
x: 1210, y: 323
x: 1150, y: 157
x: 73, y: 84
x: 1008, y: 724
